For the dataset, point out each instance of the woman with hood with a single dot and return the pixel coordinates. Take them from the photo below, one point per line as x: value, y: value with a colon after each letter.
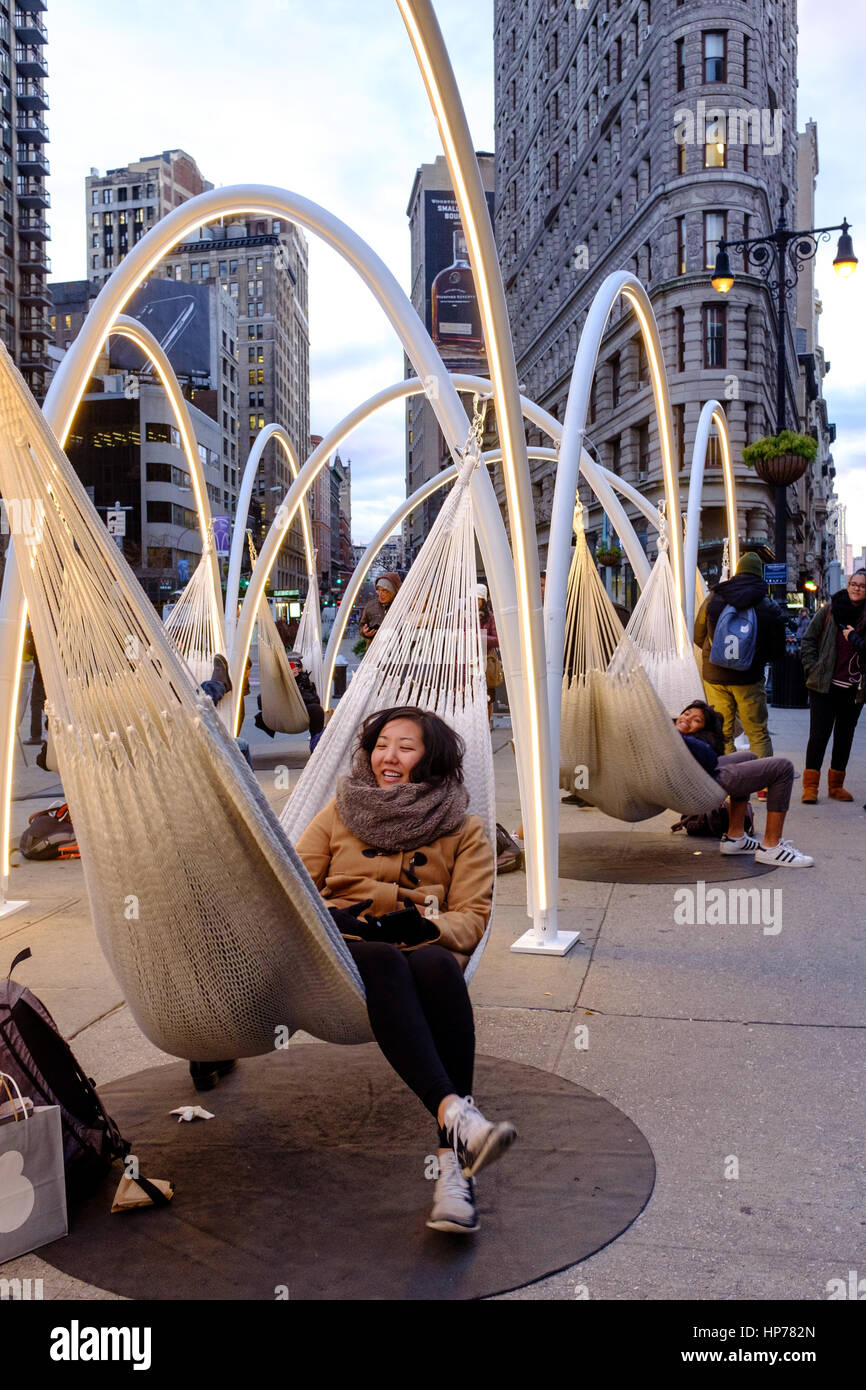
x: 833, y: 648
x: 376, y: 608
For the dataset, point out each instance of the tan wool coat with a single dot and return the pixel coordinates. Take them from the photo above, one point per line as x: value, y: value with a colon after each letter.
x: 455, y: 882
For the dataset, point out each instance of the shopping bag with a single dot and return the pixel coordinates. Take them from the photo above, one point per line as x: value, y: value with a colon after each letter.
x: 32, y: 1185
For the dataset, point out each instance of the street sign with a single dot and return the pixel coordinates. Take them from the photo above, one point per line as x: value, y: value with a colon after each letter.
x: 776, y: 574
x: 116, y: 523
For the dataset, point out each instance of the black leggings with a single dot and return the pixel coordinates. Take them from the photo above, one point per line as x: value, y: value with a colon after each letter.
x: 835, y: 713
x: 421, y: 1016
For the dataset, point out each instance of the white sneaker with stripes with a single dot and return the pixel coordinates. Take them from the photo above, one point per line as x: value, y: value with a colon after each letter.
x: 454, y: 1199
x: 745, y: 844
x: 784, y: 855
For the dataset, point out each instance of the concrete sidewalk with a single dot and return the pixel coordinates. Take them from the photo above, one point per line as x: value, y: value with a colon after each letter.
x: 739, y: 1053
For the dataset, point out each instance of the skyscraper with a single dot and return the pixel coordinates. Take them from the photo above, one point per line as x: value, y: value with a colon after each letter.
x: 124, y: 203
x: 634, y: 137
x: 437, y: 253
x: 25, y: 299
x: 262, y: 265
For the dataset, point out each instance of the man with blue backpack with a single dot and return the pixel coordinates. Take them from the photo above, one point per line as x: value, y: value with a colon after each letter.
x: 739, y: 629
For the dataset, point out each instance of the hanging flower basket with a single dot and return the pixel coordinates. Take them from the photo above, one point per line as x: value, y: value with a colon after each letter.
x: 610, y: 557
x: 782, y: 458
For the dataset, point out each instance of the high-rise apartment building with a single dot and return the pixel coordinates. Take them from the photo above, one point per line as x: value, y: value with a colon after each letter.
x: 123, y: 204
x: 262, y: 266
x: 23, y: 257
x: 440, y: 276
x: 633, y: 136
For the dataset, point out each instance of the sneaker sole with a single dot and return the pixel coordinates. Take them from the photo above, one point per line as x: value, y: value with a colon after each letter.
x: 453, y: 1227
x: 774, y: 864
x: 500, y: 1138
x: 732, y: 853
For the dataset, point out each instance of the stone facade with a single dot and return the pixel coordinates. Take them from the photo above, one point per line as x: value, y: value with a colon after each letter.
x: 632, y: 136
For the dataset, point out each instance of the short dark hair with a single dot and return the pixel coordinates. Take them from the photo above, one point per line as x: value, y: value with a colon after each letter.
x: 442, y: 759
x: 713, y: 731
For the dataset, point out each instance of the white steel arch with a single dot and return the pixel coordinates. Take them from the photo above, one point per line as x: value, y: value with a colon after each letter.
x: 711, y: 414
x: 263, y: 438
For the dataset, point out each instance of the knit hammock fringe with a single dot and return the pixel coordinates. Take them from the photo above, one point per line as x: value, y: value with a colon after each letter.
x: 618, y: 746
x: 207, y: 917
x: 428, y: 652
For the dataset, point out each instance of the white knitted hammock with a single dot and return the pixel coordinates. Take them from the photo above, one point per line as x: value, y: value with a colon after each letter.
x: 309, y: 638
x: 283, y: 708
x: 192, y: 624
x: 429, y: 653
x: 657, y: 632
x: 619, y: 748
x: 207, y: 917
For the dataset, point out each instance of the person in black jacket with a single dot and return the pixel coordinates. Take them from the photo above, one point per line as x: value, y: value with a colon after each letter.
x: 741, y: 774
x: 310, y: 697
x: 742, y: 693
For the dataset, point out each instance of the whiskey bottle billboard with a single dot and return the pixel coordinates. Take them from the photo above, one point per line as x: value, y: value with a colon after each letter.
x: 453, y: 315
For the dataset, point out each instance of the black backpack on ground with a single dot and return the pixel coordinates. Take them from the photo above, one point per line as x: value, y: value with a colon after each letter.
x: 712, y: 824
x: 44, y: 1066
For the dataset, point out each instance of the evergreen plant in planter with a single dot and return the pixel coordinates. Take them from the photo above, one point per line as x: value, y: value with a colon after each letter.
x: 780, y: 459
x: 610, y: 555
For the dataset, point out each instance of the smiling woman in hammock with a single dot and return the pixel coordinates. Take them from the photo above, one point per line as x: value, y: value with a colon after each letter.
x: 408, y: 877
x: 740, y: 774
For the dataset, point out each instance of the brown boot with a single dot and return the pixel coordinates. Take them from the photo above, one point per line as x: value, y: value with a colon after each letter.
x: 811, y: 782
x: 835, y: 786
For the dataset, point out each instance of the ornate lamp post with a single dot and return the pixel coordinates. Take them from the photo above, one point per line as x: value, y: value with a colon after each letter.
x: 779, y: 258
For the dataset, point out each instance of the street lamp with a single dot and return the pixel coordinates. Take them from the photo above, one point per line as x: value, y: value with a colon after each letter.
x: 784, y: 252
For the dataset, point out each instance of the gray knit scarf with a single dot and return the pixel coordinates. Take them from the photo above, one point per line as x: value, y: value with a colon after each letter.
x: 398, y: 818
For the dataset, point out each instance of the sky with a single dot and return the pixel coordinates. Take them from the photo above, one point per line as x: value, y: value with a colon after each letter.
x: 326, y: 100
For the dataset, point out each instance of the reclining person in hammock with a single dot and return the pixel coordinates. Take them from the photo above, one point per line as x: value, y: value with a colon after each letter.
x: 741, y: 773
x: 408, y: 877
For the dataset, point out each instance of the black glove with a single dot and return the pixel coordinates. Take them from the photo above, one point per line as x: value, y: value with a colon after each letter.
x: 407, y: 927
x: 350, y: 922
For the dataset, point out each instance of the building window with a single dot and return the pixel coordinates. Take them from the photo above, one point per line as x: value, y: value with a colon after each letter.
x: 108, y: 195
x: 159, y: 433
x: 715, y: 149
x: 681, y: 155
x: 715, y: 342
x: 680, y: 323
x: 642, y: 364
x: 681, y: 64
x: 643, y: 451
x: 715, y: 56
x: 680, y: 436
x: 193, y: 270
x: 715, y: 227
x: 615, y: 385
x: 748, y: 337
x: 714, y: 450
x: 94, y: 196
x: 745, y: 60
x: 681, y: 246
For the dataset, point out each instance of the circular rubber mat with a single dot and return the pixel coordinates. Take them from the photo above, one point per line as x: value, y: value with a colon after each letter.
x: 310, y: 1183
x: 624, y: 857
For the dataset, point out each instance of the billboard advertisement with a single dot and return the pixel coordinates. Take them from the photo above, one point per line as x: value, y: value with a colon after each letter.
x: 178, y: 316
x: 451, y: 306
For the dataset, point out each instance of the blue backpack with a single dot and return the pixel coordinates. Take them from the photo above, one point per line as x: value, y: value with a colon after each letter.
x: 735, y: 638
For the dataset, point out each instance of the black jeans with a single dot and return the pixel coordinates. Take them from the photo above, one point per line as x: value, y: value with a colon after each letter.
x: 421, y: 1016
x: 835, y: 713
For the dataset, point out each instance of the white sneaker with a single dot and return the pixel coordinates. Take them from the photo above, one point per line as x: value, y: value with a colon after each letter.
x: 783, y: 856
x: 475, y: 1141
x: 745, y: 844
x: 454, y: 1199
